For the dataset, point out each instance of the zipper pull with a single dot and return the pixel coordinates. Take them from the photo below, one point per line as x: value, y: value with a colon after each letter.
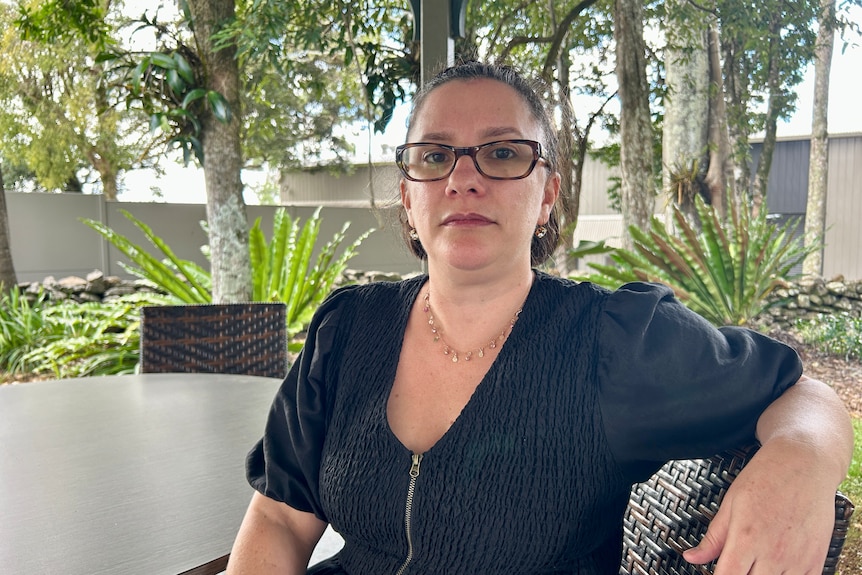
x: 414, y: 467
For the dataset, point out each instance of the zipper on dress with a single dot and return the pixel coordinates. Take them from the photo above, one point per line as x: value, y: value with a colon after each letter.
x: 408, y: 511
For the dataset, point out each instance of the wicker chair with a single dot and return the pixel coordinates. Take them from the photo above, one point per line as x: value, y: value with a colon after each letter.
x: 241, y: 338
x: 671, y: 511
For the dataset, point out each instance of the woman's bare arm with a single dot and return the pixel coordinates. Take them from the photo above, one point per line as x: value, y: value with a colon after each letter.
x: 274, y: 538
x: 778, y: 514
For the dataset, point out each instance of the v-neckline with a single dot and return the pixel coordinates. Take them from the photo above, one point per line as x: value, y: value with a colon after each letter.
x: 475, y: 397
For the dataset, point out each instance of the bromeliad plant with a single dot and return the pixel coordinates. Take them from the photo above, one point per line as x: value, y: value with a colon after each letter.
x: 725, y: 272
x: 282, y: 268
x: 182, y: 279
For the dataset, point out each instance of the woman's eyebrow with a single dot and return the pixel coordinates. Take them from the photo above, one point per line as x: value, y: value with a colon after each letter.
x: 489, y: 134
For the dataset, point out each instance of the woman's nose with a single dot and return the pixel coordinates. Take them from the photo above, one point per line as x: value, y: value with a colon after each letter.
x: 465, y: 176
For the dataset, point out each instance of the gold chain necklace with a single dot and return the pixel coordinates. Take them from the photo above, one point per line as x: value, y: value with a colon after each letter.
x: 449, y: 350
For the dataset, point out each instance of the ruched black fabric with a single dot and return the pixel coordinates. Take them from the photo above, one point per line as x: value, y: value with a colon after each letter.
x: 592, y: 391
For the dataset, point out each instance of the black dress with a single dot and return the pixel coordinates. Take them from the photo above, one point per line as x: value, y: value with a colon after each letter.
x: 593, y: 391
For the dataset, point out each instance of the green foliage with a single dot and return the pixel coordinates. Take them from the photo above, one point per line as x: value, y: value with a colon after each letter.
x: 186, y: 281
x: 58, y: 119
x: 282, y: 269
x: 86, y: 339
x: 358, y: 45
x: 61, y: 20
x: 22, y: 328
x: 168, y: 87
x: 725, y: 273
x: 852, y: 485
x: 69, y: 339
x: 586, y: 248
x: 836, y: 334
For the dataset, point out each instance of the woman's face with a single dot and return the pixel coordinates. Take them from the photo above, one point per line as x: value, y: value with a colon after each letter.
x: 468, y: 221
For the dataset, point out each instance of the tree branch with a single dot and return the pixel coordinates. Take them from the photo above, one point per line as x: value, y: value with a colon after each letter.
x: 560, y: 35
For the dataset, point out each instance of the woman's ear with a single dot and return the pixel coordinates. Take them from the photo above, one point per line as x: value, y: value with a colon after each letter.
x: 405, y: 198
x: 552, y: 192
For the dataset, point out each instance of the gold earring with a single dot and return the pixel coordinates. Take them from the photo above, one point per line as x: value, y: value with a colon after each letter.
x: 541, y: 231
x: 414, y: 235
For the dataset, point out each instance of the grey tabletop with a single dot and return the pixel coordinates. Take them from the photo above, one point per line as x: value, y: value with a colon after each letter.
x: 139, y: 474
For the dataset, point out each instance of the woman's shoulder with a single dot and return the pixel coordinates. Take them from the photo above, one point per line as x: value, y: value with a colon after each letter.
x: 554, y: 286
x: 630, y: 305
x: 384, y: 290
x: 374, y: 296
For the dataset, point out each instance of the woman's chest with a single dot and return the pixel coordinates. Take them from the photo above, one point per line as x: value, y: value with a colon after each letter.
x: 524, y: 460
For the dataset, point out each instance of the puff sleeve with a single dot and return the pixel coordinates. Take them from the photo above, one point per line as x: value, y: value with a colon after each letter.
x: 672, y: 386
x: 285, y: 463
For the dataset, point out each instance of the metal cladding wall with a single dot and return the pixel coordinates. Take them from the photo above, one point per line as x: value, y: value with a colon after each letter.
x: 787, y: 196
x: 843, y: 252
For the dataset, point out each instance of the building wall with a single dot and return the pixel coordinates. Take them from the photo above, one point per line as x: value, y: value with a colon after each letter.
x: 357, y: 188
x: 843, y: 252
x: 787, y: 194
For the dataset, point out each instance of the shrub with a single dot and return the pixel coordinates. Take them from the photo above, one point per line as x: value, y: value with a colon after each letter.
x: 22, y: 328
x: 837, y: 334
x: 69, y: 339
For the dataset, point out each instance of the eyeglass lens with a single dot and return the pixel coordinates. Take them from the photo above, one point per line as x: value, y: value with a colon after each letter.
x: 505, y: 160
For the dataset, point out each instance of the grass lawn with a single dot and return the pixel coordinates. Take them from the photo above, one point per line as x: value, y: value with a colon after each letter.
x: 851, y: 561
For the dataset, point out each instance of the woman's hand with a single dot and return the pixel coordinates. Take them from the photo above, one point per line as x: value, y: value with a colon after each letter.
x: 778, y: 514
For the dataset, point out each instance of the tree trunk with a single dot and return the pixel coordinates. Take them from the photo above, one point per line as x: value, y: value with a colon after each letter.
x: 636, y: 152
x: 735, y: 88
x: 818, y: 163
x: 570, y: 190
x: 774, y: 105
x: 226, y: 214
x: 685, y: 129
x: 8, y: 279
x: 719, y: 173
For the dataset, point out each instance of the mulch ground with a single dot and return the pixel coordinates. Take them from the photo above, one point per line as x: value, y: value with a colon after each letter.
x: 843, y: 375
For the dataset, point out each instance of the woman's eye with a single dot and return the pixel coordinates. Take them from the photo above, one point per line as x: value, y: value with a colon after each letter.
x: 501, y: 152
x: 435, y: 158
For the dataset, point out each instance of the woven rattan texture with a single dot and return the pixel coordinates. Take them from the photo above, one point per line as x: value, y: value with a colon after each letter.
x: 671, y: 512
x: 240, y: 338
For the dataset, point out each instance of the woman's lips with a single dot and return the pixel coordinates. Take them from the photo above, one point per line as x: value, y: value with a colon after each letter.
x: 466, y: 220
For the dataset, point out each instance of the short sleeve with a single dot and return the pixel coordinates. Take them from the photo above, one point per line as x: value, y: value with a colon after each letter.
x: 672, y: 386
x: 285, y: 463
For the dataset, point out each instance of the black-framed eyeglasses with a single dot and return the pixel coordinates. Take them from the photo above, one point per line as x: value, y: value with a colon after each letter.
x: 500, y: 160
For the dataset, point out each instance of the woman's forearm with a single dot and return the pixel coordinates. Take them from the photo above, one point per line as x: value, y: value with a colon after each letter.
x: 810, y: 418
x: 274, y: 538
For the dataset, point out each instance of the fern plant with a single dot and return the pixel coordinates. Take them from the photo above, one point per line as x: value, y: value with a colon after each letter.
x: 725, y: 272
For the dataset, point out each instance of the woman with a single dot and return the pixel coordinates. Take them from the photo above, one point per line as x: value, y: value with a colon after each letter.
x: 489, y: 418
